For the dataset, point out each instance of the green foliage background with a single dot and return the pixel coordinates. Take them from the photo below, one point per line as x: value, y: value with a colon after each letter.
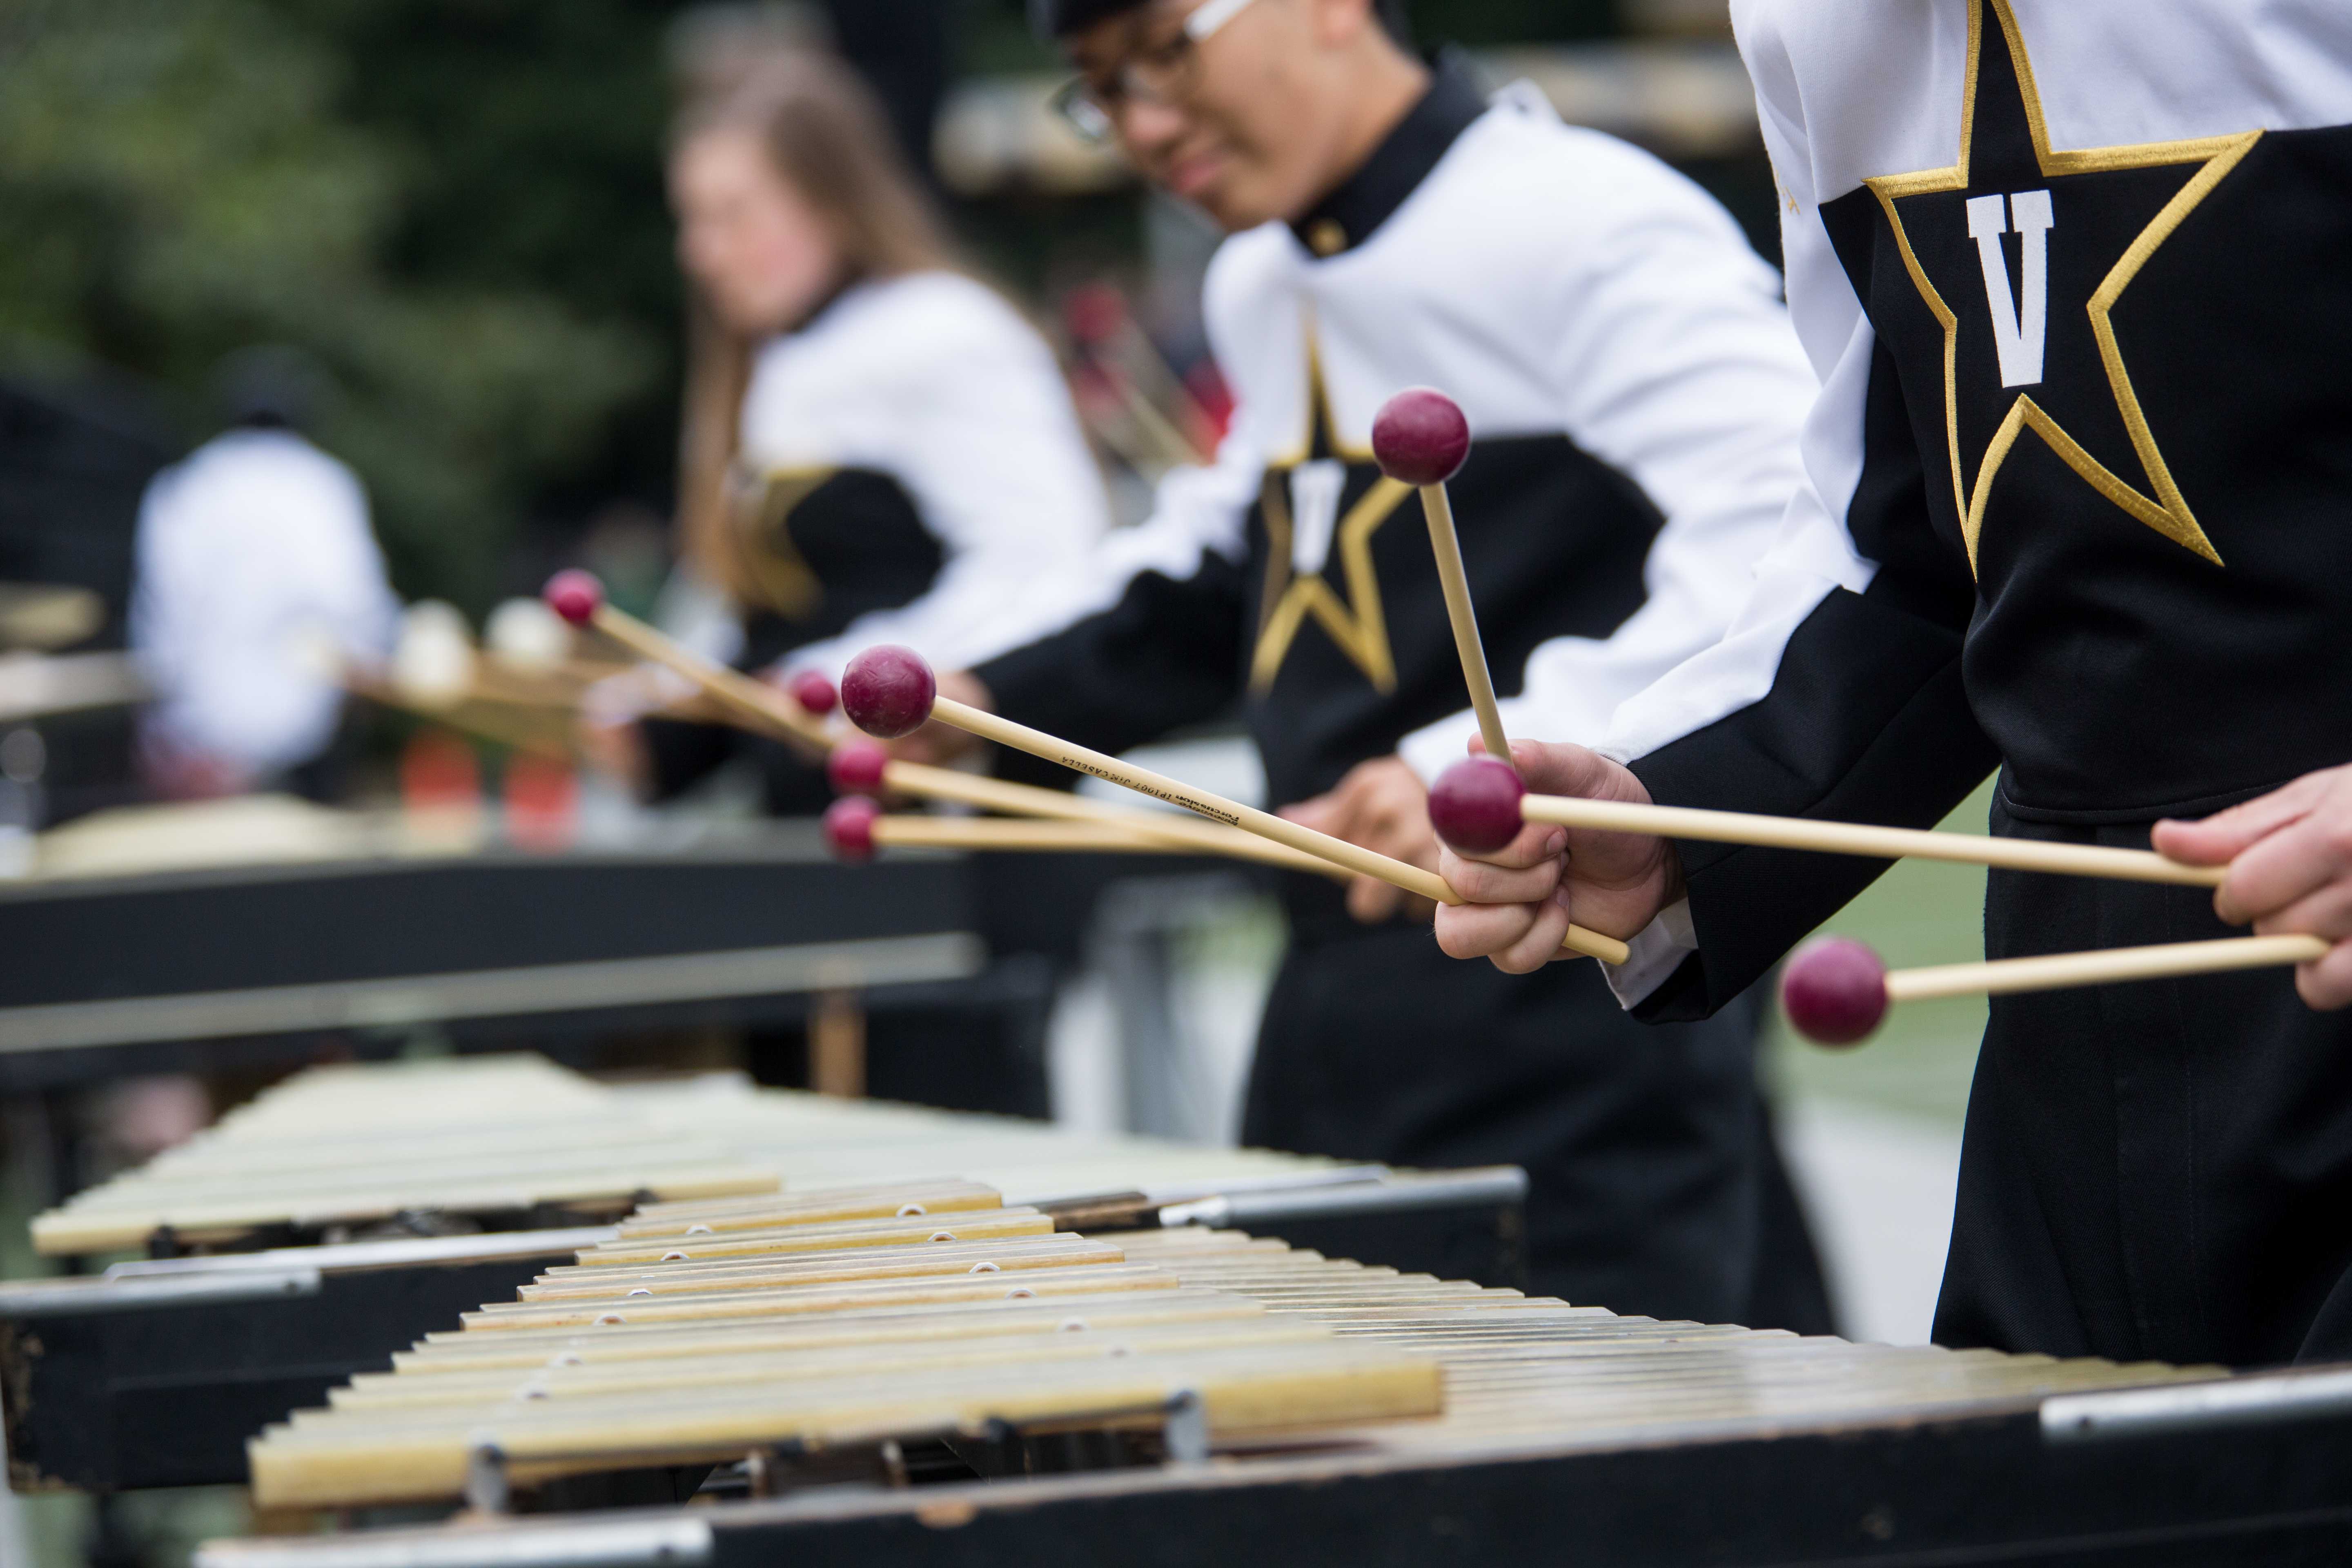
x: 455, y: 204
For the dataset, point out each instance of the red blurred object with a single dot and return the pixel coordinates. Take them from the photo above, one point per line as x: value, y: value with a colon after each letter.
x: 1475, y: 805
x: 888, y: 692
x: 813, y: 691
x: 1836, y: 990
x: 1094, y: 314
x: 1420, y: 436
x: 1214, y: 399
x: 438, y: 772
x: 543, y: 802
x: 849, y: 827
x: 574, y: 595
x: 856, y: 766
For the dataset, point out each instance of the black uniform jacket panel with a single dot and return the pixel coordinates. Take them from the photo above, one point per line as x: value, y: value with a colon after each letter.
x: 857, y: 539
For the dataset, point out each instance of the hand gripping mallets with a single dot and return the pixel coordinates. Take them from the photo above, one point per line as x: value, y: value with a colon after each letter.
x: 889, y: 691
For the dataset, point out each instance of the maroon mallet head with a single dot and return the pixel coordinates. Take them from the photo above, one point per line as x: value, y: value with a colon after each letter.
x: 1834, y: 990
x: 1475, y: 805
x: 1420, y: 436
x: 813, y: 691
x: 856, y: 766
x: 573, y: 594
x: 849, y: 827
x: 888, y: 692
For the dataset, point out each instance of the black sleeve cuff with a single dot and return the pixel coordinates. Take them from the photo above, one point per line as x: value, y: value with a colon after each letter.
x: 1866, y: 721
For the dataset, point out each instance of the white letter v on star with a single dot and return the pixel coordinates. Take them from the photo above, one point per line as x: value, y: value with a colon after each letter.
x: 2019, y: 326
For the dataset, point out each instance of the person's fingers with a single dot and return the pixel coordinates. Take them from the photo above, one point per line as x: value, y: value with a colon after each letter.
x: 2226, y: 835
x: 1540, y: 943
x: 1573, y: 770
x: 2325, y: 985
x: 2282, y: 867
x: 1482, y: 882
x: 1534, y: 844
x: 1371, y: 900
x: 2324, y: 911
x: 1477, y: 931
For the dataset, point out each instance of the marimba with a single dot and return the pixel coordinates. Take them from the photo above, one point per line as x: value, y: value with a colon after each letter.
x: 344, y: 1213
x: 922, y: 1375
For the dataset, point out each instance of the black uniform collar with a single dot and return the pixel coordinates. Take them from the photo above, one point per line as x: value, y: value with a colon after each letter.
x: 1347, y: 217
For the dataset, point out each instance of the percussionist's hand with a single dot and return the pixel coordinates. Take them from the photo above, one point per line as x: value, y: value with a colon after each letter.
x: 1522, y: 899
x: 1381, y: 805
x: 2290, y: 858
x: 938, y: 744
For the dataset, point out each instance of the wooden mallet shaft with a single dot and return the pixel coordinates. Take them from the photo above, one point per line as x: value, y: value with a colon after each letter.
x: 755, y: 699
x: 1265, y: 824
x: 1860, y: 838
x: 1009, y: 833
x: 1148, y: 829
x: 2059, y: 970
x: 1836, y: 991
x: 1420, y: 437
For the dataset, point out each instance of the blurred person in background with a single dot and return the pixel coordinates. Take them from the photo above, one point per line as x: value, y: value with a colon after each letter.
x: 878, y: 448
x: 249, y: 553
x: 1635, y: 394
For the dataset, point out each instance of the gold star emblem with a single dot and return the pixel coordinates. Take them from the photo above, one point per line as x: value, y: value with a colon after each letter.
x: 2063, y: 212
x: 1357, y: 625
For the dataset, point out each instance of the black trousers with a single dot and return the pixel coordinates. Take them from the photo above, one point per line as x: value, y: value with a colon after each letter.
x: 2162, y: 1169
x: 1655, y: 1186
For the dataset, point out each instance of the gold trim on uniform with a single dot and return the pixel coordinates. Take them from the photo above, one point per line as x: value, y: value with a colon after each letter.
x: 1361, y: 632
x: 2167, y: 511
x: 763, y: 504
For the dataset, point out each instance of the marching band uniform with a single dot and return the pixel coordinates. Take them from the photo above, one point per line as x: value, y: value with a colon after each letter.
x: 2075, y: 506
x: 910, y: 465
x: 1634, y: 391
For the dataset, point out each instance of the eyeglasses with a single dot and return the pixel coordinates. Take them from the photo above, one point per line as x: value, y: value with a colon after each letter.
x: 1155, y: 73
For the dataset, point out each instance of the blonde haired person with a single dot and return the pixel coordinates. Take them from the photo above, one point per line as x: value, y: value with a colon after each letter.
x: 876, y: 446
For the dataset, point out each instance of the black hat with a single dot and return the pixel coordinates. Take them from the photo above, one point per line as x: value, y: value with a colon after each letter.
x: 1059, y: 18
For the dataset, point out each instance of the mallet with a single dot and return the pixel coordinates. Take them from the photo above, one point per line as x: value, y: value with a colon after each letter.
x: 855, y: 826
x: 1420, y: 438
x: 889, y: 691
x: 1836, y: 990
x: 579, y: 598
x: 1477, y: 806
x: 860, y: 766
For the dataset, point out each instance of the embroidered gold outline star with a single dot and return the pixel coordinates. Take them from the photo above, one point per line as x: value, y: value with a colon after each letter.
x: 2167, y: 511
x: 1362, y: 634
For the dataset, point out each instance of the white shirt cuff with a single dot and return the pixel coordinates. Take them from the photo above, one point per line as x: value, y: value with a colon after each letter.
x: 1658, y: 950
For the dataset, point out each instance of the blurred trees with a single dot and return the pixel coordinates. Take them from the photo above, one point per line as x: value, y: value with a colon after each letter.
x: 454, y: 204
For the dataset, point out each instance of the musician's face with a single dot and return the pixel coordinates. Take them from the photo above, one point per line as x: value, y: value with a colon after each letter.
x: 1249, y: 122
x: 763, y: 257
